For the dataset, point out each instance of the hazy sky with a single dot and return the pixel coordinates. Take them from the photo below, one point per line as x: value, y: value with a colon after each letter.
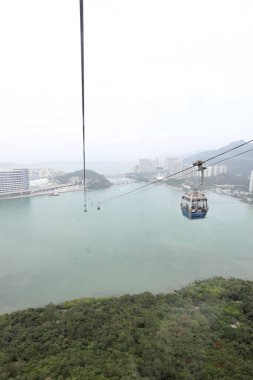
x: 162, y: 77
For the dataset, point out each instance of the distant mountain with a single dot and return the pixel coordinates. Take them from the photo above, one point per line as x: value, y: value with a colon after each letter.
x: 241, y: 165
x: 95, y: 180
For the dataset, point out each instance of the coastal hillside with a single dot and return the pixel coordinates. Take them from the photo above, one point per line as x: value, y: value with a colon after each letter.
x: 224, y: 179
x: 94, y: 179
x: 203, y: 331
x: 241, y: 165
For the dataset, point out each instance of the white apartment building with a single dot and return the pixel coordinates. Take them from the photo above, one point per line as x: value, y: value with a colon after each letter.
x: 219, y: 169
x: 177, y: 166
x: 44, y: 172
x: 251, y: 182
x: 146, y: 165
x: 14, y: 181
x: 168, y: 163
x: 212, y: 171
x: 209, y: 171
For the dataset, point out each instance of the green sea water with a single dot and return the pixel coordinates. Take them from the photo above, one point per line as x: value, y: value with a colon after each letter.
x: 51, y: 251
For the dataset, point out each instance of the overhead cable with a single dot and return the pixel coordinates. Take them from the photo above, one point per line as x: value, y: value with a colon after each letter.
x: 215, y: 163
x: 229, y: 158
x: 194, y: 171
x: 154, y: 183
x: 149, y: 184
x: 83, y: 109
x: 227, y: 151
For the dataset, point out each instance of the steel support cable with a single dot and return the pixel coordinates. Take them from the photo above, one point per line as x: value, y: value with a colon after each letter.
x: 83, y: 109
x: 157, y: 184
x: 181, y: 171
x: 195, y: 171
x: 83, y: 127
x: 215, y: 163
x: 148, y: 184
x: 154, y: 183
x: 229, y: 158
x: 227, y: 151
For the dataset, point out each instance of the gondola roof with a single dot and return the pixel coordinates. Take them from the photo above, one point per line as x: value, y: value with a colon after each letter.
x: 195, y: 195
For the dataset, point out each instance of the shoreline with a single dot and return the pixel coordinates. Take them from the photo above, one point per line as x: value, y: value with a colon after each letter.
x: 74, y: 301
x: 68, y: 188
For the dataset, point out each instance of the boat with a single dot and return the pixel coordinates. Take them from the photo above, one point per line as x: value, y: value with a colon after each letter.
x: 53, y: 194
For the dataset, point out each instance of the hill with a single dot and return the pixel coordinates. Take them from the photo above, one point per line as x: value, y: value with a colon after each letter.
x: 203, y: 331
x: 237, y: 182
x: 94, y: 179
x: 241, y: 165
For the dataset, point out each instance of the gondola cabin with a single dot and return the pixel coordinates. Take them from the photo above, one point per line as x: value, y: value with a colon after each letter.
x: 194, y: 205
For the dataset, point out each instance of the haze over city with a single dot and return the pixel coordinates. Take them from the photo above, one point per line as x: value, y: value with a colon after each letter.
x: 136, y: 262
x: 161, y: 78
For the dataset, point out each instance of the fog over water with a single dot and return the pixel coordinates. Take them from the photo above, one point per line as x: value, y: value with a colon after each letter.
x: 51, y: 251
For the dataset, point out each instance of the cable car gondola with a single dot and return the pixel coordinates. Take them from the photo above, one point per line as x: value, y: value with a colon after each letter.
x: 194, y: 204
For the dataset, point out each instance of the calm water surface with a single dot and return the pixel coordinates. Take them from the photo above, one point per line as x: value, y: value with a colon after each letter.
x: 51, y: 251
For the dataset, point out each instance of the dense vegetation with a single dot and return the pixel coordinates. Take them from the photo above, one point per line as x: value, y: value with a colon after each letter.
x: 94, y: 179
x: 203, y: 331
x: 239, y: 182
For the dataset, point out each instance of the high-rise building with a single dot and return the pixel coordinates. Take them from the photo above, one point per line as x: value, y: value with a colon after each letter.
x: 216, y: 170
x: 212, y: 171
x: 168, y: 164
x: 176, y: 166
x: 44, y: 172
x: 223, y: 169
x: 209, y: 171
x: 146, y: 165
x: 157, y: 167
x: 251, y: 182
x: 14, y: 182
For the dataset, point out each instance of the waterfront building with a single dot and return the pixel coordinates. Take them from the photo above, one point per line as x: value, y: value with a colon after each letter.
x: 223, y: 169
x: 215, y: 170
x: 157, y: 162
x: 168, y: 163
x: 219, y: 169
x: 157, y: 166
x: 176, y: 166
x: 212, y: 171
x: 251, y: 182
x: 209, y: 171
x: 173, y: 165
x: 14, y: 182
x: 146, y: 165
x: 44, y: 172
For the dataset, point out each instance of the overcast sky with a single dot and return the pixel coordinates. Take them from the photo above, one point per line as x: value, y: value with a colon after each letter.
x: 162, y: 77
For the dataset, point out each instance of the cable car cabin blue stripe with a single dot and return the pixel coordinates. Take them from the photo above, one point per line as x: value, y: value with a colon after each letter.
x: 193, y: 215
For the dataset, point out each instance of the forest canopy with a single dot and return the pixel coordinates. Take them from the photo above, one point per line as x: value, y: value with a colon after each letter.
x: 203, y: 331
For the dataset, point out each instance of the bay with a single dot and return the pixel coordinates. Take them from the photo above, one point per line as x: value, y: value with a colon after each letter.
x: 51, y: 251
